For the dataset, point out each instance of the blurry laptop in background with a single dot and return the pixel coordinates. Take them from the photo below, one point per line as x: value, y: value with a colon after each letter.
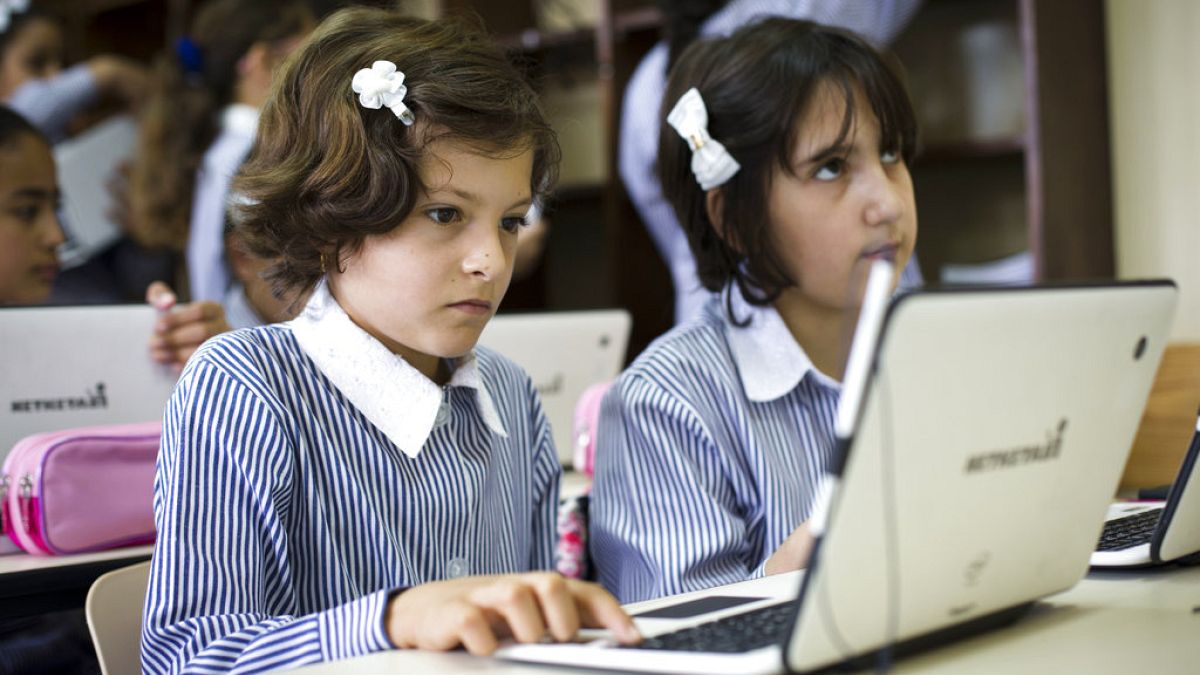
x: 1159, y: 532
x: 564, y: 353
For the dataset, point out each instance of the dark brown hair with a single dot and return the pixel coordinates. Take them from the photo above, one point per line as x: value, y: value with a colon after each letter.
x: 756, y: 85
x: 191, y: 84
x: 13, y: 126
x: 326, y: 172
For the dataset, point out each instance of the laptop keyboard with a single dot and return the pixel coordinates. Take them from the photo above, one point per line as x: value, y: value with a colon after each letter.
x: 1129, y: 531
x: 734, y: 634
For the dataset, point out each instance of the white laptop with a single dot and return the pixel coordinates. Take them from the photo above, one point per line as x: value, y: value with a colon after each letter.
x: 86, y: 163
x: 63, y: 367
x: 1154, y: 533
x: 994, y: 429
x: 564, y: 353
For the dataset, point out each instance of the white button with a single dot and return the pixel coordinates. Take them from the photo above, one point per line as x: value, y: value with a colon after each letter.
x: 458, y: 567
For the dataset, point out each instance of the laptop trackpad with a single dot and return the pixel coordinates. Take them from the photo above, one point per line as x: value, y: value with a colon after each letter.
x: 685, y: 610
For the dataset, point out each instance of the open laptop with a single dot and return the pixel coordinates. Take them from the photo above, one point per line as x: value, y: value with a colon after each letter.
x: 993, y: 431
x: 564, y: 353
x: 63, y: 367
x: 1153, y: 533
x: 86, y: 163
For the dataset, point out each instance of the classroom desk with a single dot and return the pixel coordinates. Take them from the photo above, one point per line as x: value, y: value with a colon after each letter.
x: 1111, y: 622
x: 32, y: 584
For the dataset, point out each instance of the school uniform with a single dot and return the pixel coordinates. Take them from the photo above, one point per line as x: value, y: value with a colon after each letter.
x: 306, y: 473
x: 709, y: 453
x: 51, y: 103
x: 208, y: 269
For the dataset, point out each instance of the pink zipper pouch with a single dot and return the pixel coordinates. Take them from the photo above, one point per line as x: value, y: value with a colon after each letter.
x: 80, y: 490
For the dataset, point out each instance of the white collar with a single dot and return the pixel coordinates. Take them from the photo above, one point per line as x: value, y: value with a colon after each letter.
x: 389, y: 392
x: 769, y: 360
x: 240, y: 119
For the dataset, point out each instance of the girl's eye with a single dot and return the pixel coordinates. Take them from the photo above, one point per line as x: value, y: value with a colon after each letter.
x: 889, y: 157
x: 831, y: 170
x: 512, y: 223
x: 27, y: 214
x: 443, y: 215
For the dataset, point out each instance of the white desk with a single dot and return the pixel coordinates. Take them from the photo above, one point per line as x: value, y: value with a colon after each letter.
x: 1120, y: 623
x: 32, y: 584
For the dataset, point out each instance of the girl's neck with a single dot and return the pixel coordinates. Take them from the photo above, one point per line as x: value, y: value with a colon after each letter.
x: 822, y: 332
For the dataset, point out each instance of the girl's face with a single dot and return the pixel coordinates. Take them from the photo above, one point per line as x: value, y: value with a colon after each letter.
x: 427, y: 288
x: 29, y: 228
x: 839, y: 207
x: 35, y: 51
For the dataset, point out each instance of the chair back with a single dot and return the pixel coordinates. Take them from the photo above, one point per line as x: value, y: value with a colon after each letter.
x: 114, y: 617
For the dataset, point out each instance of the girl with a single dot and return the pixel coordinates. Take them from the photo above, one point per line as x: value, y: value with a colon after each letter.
x: 199, y: 124
x: 362, y: 477
x: 29, y: 229
x: 33, y: 81
x: 785, y: 156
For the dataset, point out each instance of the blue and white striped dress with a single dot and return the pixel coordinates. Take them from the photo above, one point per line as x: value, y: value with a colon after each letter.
x: 710, y: 450
x: 286, y: 518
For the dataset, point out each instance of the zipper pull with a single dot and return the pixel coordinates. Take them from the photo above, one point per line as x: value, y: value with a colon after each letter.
x: 3, y: 500
x: 26, y: 499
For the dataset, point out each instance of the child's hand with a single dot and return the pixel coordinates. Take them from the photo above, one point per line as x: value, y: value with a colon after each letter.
x: 475, y: 612
x: 180, y: 330
x: 793, y: 553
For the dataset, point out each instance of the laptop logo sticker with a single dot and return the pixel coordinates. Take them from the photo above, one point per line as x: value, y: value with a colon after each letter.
x: 91, y: 398
x: 1013, y: 457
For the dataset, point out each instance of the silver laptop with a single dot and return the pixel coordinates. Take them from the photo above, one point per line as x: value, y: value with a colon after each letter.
x: 63, y: 367
x: 993, y: 431
x: 1154, y: 533
x: 564, y: 353
x: 86, y: 163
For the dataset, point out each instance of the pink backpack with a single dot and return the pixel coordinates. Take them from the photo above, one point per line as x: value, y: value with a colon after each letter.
x: 82, y: 489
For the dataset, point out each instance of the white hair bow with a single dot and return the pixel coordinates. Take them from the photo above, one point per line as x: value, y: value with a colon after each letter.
x: 8, y: 8
x: 381, y: 86
x: 711, y: 162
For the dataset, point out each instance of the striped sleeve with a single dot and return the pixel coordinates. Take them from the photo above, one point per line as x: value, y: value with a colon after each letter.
x: 548, y: 475
x: 221, y: 560
x: 665, y: 517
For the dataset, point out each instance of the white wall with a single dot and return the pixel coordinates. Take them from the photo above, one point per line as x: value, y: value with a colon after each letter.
x: 1154, y: 95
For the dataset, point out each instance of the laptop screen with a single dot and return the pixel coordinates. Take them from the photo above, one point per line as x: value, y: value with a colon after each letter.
x: 564, y: 353
x: 64, y: 367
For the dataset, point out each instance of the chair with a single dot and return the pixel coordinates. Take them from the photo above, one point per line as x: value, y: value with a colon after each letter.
x: 114, y: 618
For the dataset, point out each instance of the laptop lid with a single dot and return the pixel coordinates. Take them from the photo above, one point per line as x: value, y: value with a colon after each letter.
x: 564, y: 353
x: 993, y: 433
x: 86, y: 164
x: 64, y: 367
x: 1178, y: 532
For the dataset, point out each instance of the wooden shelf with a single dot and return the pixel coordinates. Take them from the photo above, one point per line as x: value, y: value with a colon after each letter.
x: 634, y: 20
x: 534, y: 40
x: 965, y: 150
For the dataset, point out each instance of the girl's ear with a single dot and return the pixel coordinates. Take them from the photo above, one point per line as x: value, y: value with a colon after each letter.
x: 714, y: 205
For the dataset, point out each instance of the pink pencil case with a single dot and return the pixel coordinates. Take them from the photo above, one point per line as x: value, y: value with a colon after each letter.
x: 80, y: 490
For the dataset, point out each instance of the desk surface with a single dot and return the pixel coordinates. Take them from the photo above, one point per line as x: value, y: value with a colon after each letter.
x: 1111, y: 622
x: 32, y: 584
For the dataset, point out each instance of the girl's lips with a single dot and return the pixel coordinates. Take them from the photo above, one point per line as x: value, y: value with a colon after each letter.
x: 46, y: 272
x: 882, y: 253
x: 474, y: 307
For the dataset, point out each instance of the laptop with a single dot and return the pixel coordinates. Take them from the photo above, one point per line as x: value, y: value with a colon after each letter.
x: 1137, y: 534
x: 86, y: 163
x: 994, y: 427
x: 63, y: 367
x: 564, y: 353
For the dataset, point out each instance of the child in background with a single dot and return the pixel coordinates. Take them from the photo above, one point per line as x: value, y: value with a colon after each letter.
x: 198, y: 125
x: 371, y: 478
x: 30, y: 233
x: 34, y: 83
x: 785, y: 156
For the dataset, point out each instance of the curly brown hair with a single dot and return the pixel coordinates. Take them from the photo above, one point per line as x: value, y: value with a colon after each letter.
x: 326, y: 172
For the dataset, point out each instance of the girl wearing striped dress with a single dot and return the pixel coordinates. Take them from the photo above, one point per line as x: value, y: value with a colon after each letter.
x: 363, y: 477
x: 785, y: 156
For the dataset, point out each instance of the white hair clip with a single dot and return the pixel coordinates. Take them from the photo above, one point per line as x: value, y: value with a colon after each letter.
x: 711, y: 162
x: 381, y: 86
x: 8, y: 8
